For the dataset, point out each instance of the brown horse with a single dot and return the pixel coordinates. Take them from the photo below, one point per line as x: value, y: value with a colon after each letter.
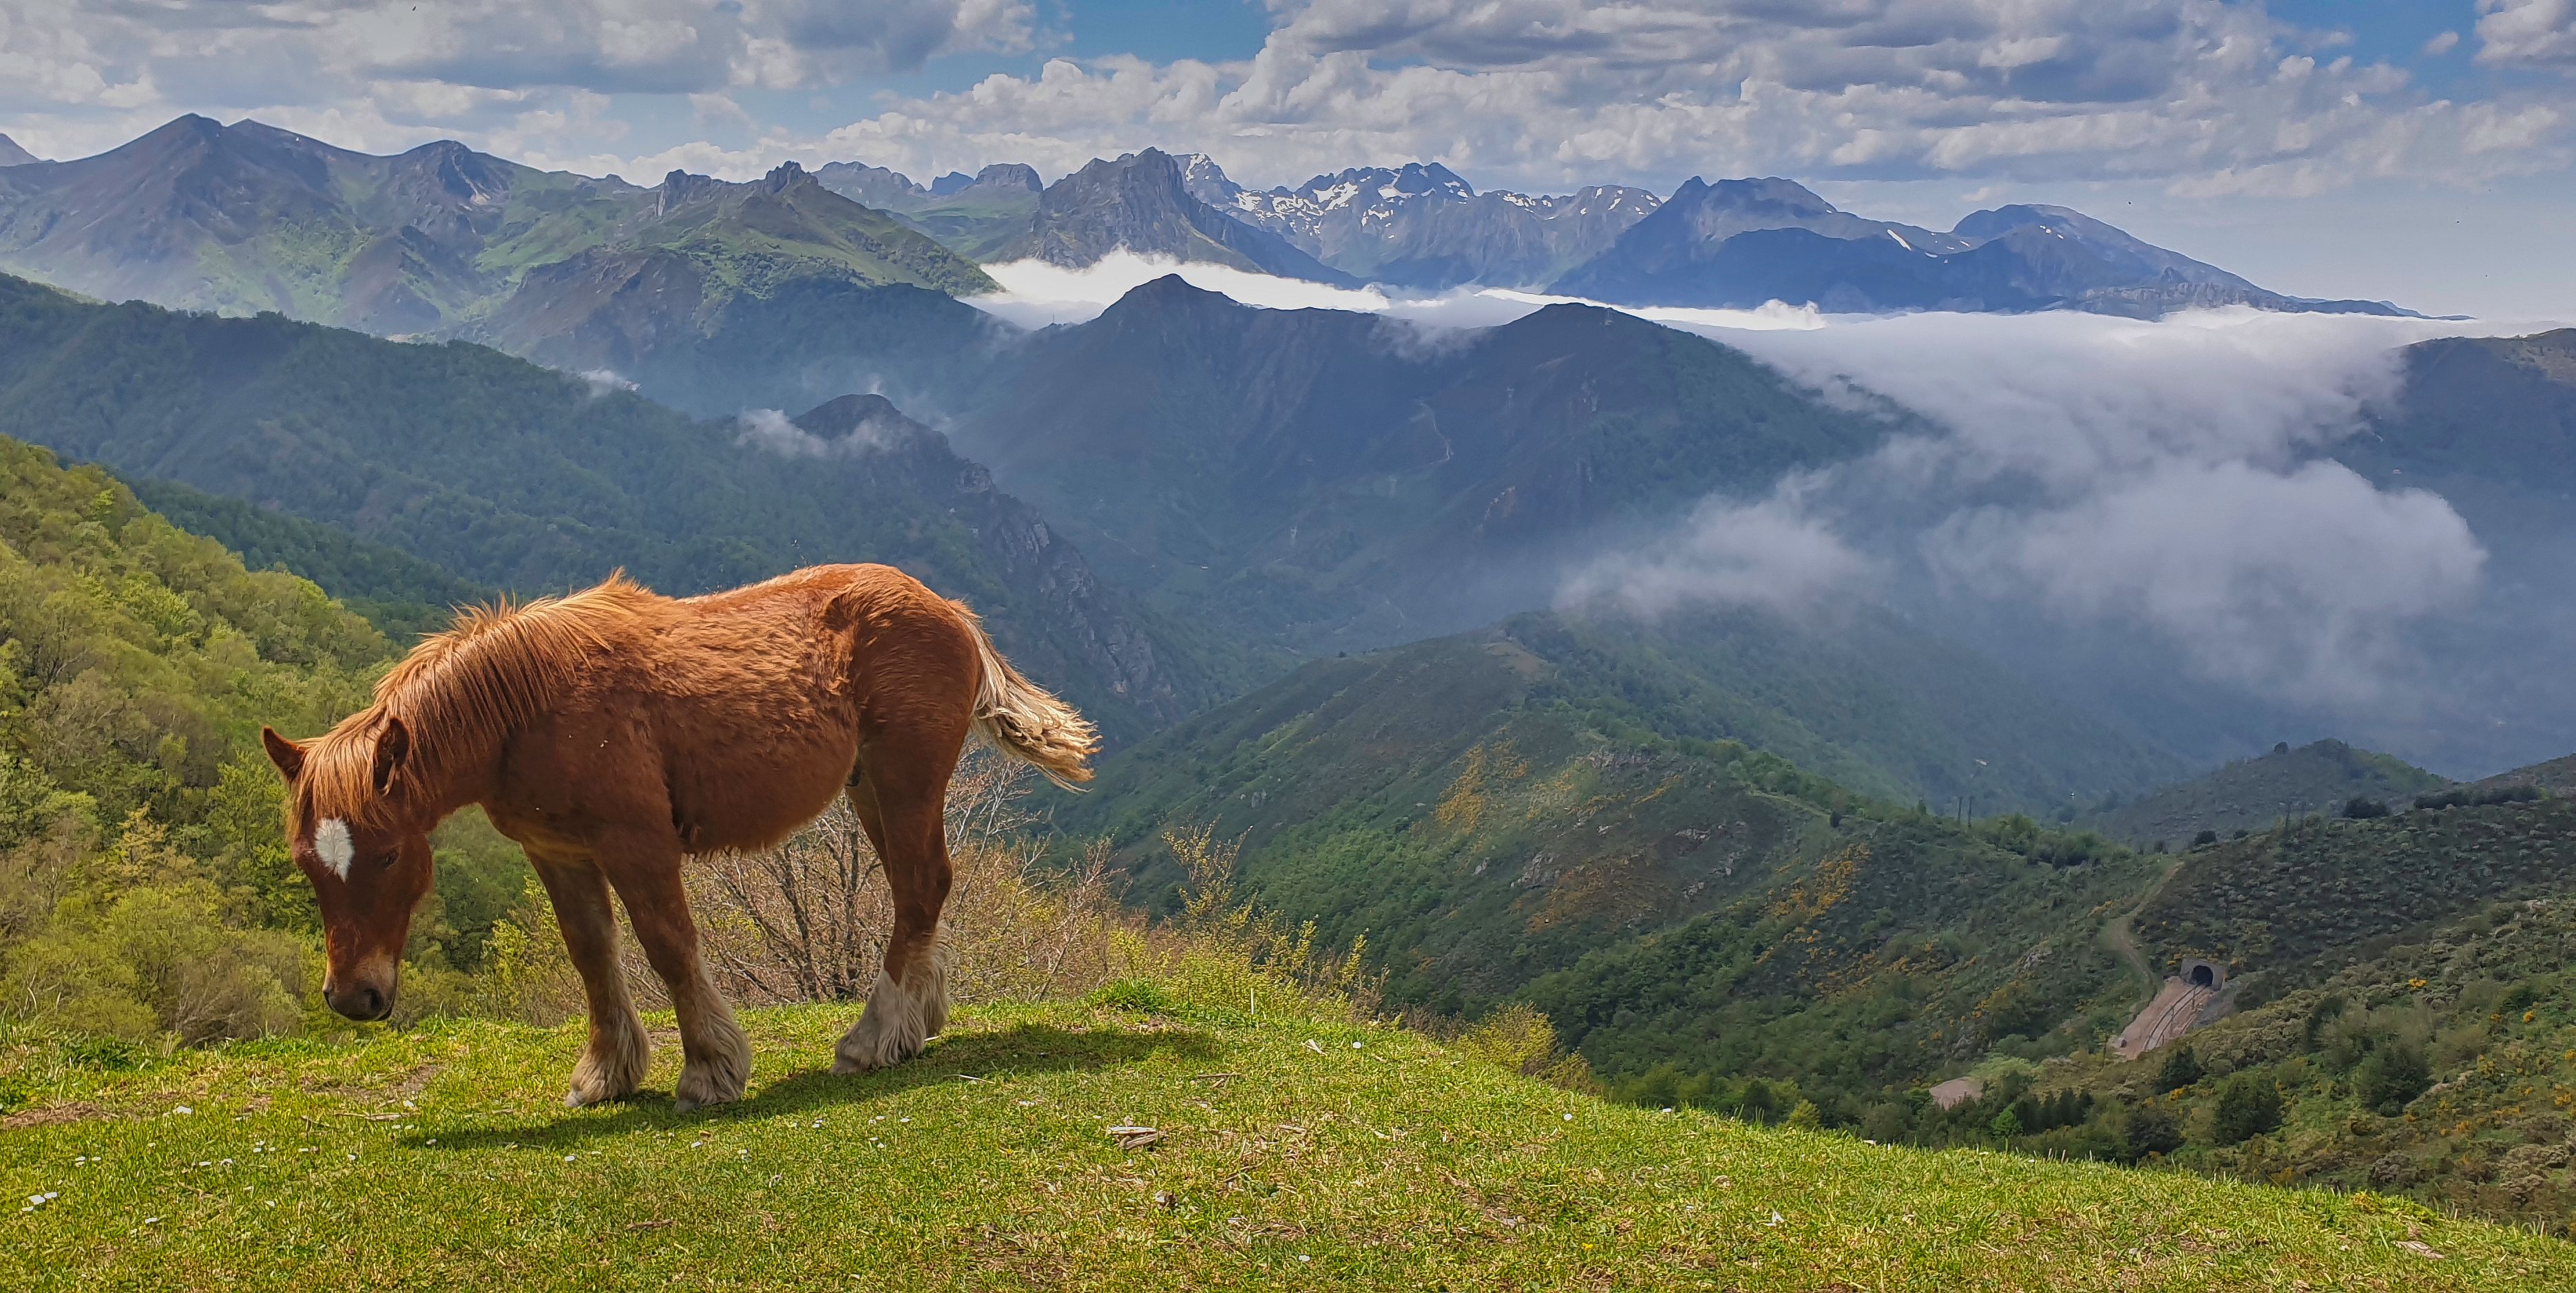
x: 614, y: 733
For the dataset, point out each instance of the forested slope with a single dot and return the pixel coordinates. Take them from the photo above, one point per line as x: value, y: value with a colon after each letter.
x: 518, y: 478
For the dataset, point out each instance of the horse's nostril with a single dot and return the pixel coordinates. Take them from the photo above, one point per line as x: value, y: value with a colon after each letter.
x: 374, y: 1003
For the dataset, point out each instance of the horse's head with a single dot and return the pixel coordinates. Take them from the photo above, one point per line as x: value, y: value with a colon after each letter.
x: 357, y: 830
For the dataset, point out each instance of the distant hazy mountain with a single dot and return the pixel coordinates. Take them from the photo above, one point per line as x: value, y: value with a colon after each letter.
x: 1741, y: 243
x: 515, y: 477
x: 12, y: 155
x: 441, y: 239
x: 2253, y: 794
x: 1422, y: 226
x: 972, y: 216
x: 1140, y: 203
x: 1360, y: 480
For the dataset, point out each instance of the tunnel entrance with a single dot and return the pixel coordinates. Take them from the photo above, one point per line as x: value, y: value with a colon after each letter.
x: 2203, y: 974
x: 2202, y: 978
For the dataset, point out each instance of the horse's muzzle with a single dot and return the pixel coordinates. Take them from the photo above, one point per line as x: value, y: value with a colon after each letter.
x: 360, y: 1001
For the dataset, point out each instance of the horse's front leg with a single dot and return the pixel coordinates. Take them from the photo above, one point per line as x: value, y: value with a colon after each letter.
x: 716, y: 1057
x: 613, y: 1064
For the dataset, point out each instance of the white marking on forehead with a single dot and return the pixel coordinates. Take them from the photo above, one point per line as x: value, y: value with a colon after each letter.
x: 331, y: 844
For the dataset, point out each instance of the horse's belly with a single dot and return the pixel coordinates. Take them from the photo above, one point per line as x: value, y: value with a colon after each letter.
x: 752, y: 794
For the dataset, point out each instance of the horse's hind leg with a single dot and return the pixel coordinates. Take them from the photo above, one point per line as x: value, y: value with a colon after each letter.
x: 900, y: 797
x: 715, y: 1056
x: 613, y: 1064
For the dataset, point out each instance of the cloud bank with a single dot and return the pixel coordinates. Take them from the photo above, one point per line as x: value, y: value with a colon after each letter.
x: 2164, y: 478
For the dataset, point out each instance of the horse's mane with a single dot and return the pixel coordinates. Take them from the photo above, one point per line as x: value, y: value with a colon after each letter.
x: 462, y: 691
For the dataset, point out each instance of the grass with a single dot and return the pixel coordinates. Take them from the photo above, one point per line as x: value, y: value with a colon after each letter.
x: 1296, y: 1152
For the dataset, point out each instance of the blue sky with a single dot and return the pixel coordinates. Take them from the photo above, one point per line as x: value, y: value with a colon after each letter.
x: 2418, y: 150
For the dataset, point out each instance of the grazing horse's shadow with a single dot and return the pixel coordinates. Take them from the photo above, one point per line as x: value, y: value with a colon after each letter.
x: 1019, y: 1051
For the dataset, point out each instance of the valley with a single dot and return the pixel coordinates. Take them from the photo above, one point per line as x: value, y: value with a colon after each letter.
x: 1519, y: 663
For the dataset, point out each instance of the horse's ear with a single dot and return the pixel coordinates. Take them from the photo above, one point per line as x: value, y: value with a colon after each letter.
x: 286, y: 754
x: 393, y: 746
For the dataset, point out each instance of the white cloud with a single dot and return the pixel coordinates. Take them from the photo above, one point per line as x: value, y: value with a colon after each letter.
x: 86, y: 74
x: 2534, y: 33
x: 2300, y: 581
x: 1553, y: 92
x: 2159, y: 477
x: 1774, y: 552
x: 772, y: 431
x: 1035, y: 293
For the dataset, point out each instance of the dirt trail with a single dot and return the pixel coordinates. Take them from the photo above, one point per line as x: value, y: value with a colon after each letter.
x: 2116, y: 935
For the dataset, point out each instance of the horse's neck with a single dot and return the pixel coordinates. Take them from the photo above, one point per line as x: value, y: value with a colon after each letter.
x: 464, y: 770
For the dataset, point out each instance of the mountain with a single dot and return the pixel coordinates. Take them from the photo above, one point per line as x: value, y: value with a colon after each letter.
x: 2489, y: 423
x: 1742, y: 243
x: 2251, y: 794
x: 1492, y: 807
x: 1498, y: 806
x: 799, y: 344
x: 1344, y: 479
x: 12, y: 155
x: 1421, y: 226
x: 440, y: 239
x: 520, y: 478
x: 1139, y: 203
x: 973, y: 217
x: 2557, y: 777
x: 669, y: 274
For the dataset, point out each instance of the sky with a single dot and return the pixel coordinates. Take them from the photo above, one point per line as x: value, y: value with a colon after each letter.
x: 2422, y: 151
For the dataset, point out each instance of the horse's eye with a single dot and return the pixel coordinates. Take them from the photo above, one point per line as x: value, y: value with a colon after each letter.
x: 387, y: 861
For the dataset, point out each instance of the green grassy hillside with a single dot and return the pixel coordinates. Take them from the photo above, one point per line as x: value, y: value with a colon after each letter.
x: 2308, y: 894
x: 2252, y: 794
x: 1292, y: 1151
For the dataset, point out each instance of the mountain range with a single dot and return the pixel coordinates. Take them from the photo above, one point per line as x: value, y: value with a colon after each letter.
x: 1420, y: 226
x: 446, y: 241
x: 440, y: 240
x: 1742, y: 243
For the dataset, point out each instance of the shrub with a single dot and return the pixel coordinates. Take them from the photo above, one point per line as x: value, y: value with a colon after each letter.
x: 156, y: 960
x: 2204, y: 839
x: 2391, y: 1076
x: 1520, y: 1039
x: 2249, y: 1105
x: 2149, y: 1129
x: 2360, y: 808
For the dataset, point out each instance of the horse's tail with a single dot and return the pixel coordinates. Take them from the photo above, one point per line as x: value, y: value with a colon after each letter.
x: 1026, y: 721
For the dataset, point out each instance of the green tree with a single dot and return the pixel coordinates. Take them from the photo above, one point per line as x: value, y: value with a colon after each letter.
x: 2181, y: 1069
